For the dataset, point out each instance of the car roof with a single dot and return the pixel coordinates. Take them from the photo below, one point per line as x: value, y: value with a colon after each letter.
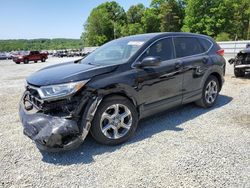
x: 164, y: 34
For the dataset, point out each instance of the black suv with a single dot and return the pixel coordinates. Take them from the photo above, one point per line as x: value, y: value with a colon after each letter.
x: 241, y: 62
x: 123, y: 81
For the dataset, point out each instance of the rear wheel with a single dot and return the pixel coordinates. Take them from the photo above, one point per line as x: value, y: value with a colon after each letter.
x: 43, y: 59
x: 239, y: 73
x: 26, y: 61
x: 210, y: 92
x: 115, y: 121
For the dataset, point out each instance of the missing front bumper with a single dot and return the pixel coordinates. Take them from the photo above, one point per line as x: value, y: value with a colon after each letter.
x: 52, y: 133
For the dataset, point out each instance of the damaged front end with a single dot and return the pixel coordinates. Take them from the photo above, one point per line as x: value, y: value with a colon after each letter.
x: 57, y: 125
x: 242, y: 60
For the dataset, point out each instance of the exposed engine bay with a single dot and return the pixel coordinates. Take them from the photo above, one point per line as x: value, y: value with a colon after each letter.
x: 241, y: 63
x: 57, y: 125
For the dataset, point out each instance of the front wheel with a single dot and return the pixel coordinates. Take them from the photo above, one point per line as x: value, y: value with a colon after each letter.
x: 210, y: 92
x: 239, y: 73
x: 115, y: 121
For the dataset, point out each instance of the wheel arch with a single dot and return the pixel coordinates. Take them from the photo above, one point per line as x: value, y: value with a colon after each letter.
x: 125, y: 95
x: 219, y: 78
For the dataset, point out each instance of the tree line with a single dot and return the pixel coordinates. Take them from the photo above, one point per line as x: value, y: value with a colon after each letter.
x: 40, y: 44
x: 220, y: 19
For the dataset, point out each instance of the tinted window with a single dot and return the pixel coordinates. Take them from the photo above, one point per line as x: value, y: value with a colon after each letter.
x: 187, y: 46
x: 205, y: 44
x: 162, y: 48
x: 116, y: 52
x: 34, y: 52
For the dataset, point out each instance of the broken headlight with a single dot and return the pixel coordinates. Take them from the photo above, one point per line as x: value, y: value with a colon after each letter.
x: 59, y: 91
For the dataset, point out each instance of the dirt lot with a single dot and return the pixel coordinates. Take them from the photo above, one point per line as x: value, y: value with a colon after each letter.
x: 185, y: 147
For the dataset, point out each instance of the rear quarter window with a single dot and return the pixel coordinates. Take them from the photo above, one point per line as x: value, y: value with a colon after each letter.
x: 187, y: 46
x: 206, y: 44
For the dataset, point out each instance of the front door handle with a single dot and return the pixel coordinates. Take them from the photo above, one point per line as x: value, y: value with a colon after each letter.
x: 205, y: 60
x: 177, y: 65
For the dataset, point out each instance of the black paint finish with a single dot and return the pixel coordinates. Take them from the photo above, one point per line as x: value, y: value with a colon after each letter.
x: 152, y: 89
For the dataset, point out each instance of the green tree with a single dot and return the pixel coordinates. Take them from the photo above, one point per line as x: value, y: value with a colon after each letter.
x: 40, y: 44
x: 237, y: 18
x: 213, y: 17
x: 135, y: 14
x: 134, y: 21
x: 150, y: 20
x: 171, y: 15
x: 132, y: 29
x: 223, y: 37
x: 164, y: 15
x: 102, y: 22
x: 200, y: 16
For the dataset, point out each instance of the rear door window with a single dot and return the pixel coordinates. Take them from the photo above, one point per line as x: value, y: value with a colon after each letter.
x: 187, y: 46
x: 162, y: 48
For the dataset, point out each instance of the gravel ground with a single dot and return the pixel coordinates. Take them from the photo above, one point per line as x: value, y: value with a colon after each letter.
x: 184, y: 147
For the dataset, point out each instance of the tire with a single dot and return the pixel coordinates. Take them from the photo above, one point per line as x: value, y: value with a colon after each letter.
x: 26, y: 61
x: 209, y: 96
x: 110, y: 129
x: 239, y: 73
x: 43, y: 59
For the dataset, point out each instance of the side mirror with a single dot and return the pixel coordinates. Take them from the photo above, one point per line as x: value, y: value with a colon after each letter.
x: 149, y: 62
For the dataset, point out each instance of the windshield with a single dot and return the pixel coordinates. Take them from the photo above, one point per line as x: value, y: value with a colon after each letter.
x: 115, y: 52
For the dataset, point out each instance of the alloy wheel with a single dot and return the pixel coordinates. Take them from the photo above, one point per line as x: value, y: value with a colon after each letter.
x: 116, y: 121
x: 211, y: 92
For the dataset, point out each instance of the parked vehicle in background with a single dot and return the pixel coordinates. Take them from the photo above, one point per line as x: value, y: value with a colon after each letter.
x: 44, y: 52
x: 61, y: 54
x: 30, y: 56
x: 9, y: 55
x: 241, y: 62
x: 123, y: 81
x: 5, y: 55
x: 73, y: 52
x: 18, y: 53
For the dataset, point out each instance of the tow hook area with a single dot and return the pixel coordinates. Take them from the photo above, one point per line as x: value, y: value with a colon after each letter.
x: 50, y: 133
x: 53, y: 133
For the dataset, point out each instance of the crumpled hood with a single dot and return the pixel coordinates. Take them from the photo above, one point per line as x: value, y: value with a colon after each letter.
x: 67, y: 72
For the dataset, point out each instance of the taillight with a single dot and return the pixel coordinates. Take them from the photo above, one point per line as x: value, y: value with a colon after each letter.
x: 221, y: 52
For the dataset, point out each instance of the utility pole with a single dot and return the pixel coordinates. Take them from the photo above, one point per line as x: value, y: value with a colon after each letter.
x: 248, y: 30
x: 236, y: 37
x: 114, y: 31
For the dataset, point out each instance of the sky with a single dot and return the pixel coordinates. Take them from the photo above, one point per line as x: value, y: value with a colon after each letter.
x: 30, y: 19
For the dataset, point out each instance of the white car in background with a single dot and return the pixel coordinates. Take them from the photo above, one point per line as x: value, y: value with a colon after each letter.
x: 5, y: 55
